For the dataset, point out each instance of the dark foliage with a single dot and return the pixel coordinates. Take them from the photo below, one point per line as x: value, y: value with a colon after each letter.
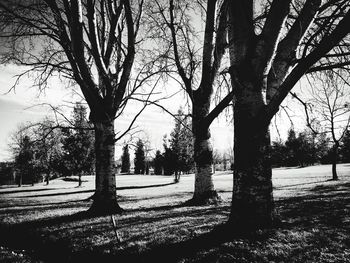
x: 140, y: 158
x: 125, y: 160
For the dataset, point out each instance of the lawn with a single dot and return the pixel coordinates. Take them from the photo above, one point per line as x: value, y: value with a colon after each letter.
x: 48, y: 224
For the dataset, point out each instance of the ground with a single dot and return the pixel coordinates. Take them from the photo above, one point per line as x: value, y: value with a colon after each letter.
x: 48, y: 223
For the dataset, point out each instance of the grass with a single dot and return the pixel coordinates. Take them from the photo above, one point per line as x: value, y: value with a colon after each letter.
x: 48, y: 223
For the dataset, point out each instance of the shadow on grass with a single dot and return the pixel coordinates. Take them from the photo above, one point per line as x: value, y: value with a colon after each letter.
x: 26, y: 190
x: 325, y: 207
x: 91, y: 191
x: 301, y: 184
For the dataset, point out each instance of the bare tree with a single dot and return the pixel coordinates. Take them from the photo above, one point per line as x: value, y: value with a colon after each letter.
x: 193, y: 60
x: 92, y: 44
x: 272, y: 46
x: 330, y: 106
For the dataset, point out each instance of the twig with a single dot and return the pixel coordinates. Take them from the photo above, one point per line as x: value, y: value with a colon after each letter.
x: 114, y: 223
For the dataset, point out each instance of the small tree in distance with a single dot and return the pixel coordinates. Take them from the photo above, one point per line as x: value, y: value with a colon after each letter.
x: 139, y: 158
x: 331, y: 106
x: 158, y: 163
x: 125, y: 159
x: 78, y: 144
x: 23, y: 159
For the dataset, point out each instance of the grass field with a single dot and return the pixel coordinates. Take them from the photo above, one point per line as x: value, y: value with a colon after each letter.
x: 48, y: 223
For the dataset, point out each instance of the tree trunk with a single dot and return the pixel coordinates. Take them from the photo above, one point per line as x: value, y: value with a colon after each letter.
x: 176, y: 179
x: 105, y: 197
x: 79, y: 180
x: 334, y: 162
x: 47, y: 178
x: 204, y: 191
x: 252, y: 199
x: 19, y: 180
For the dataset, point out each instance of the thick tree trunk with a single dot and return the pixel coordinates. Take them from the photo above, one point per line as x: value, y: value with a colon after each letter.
x: 334, y: 162
x: 105, y: 197
x: 204, y: 191
x: 252, y: 199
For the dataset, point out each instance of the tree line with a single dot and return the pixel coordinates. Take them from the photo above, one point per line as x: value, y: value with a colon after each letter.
x: 176, y: 157
x: 307, y: 148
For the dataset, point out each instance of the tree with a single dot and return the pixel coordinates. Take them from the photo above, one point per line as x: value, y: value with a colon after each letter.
x: 278, y: 153
x: 93, y: 44
x: 300, y: 150
x: 78, y: 144
x: 158, y: 163
x: 139, y: 158
x: 125, y: 159
x: 168, y: 158
x: 47, y: 147
x: 345, y: 147
x: 181, y: 145
x: 24, y: 159
x: 196, y: 73
x: 271, y: 48
x: 330, y: 105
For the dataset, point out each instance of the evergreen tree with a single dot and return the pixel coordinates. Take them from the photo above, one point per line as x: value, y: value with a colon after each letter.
x: 158, y: 163
x: 168, y: 158
x: 24, y: 156
x: 78, y: 144
x: 181, y: 145
x: 279, y: 154
x: 125, y: 160
x: 345, y: 147
x: 139, y: 158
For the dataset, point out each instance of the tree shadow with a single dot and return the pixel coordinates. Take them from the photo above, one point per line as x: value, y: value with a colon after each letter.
x: 60, y: 193
x: 322, y: 207
x: 301, y: 184
x: 26, y: 190
x: 325, y: 205
x: 163, y: 253
x: 91, y: 191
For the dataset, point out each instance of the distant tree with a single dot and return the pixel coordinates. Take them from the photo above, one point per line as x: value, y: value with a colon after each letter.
x: 181, y: 145
x: 24, y: 155
x: 278, y: 153
x: 158, y: 163
x: 292, y: 145
x: 330, y: 104
x: 139, y: 157
x: 345, y: 147
x: 168, y: 158
x: 125, y: 159
x: 299, y: 150
x: 47, y: 148
x: 217, y: 158
x: 78, y: 144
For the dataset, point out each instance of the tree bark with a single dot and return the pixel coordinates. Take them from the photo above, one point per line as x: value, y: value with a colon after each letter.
x: 105, y: 197
x: 47, y: 178
x: 252, y: 199
x: 334, y: 162
x: 79, y: 180
x: 204, y: 191
x: 19, y: 179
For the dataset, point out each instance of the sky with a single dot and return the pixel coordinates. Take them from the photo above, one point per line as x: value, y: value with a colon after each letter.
x: 21, y: 105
